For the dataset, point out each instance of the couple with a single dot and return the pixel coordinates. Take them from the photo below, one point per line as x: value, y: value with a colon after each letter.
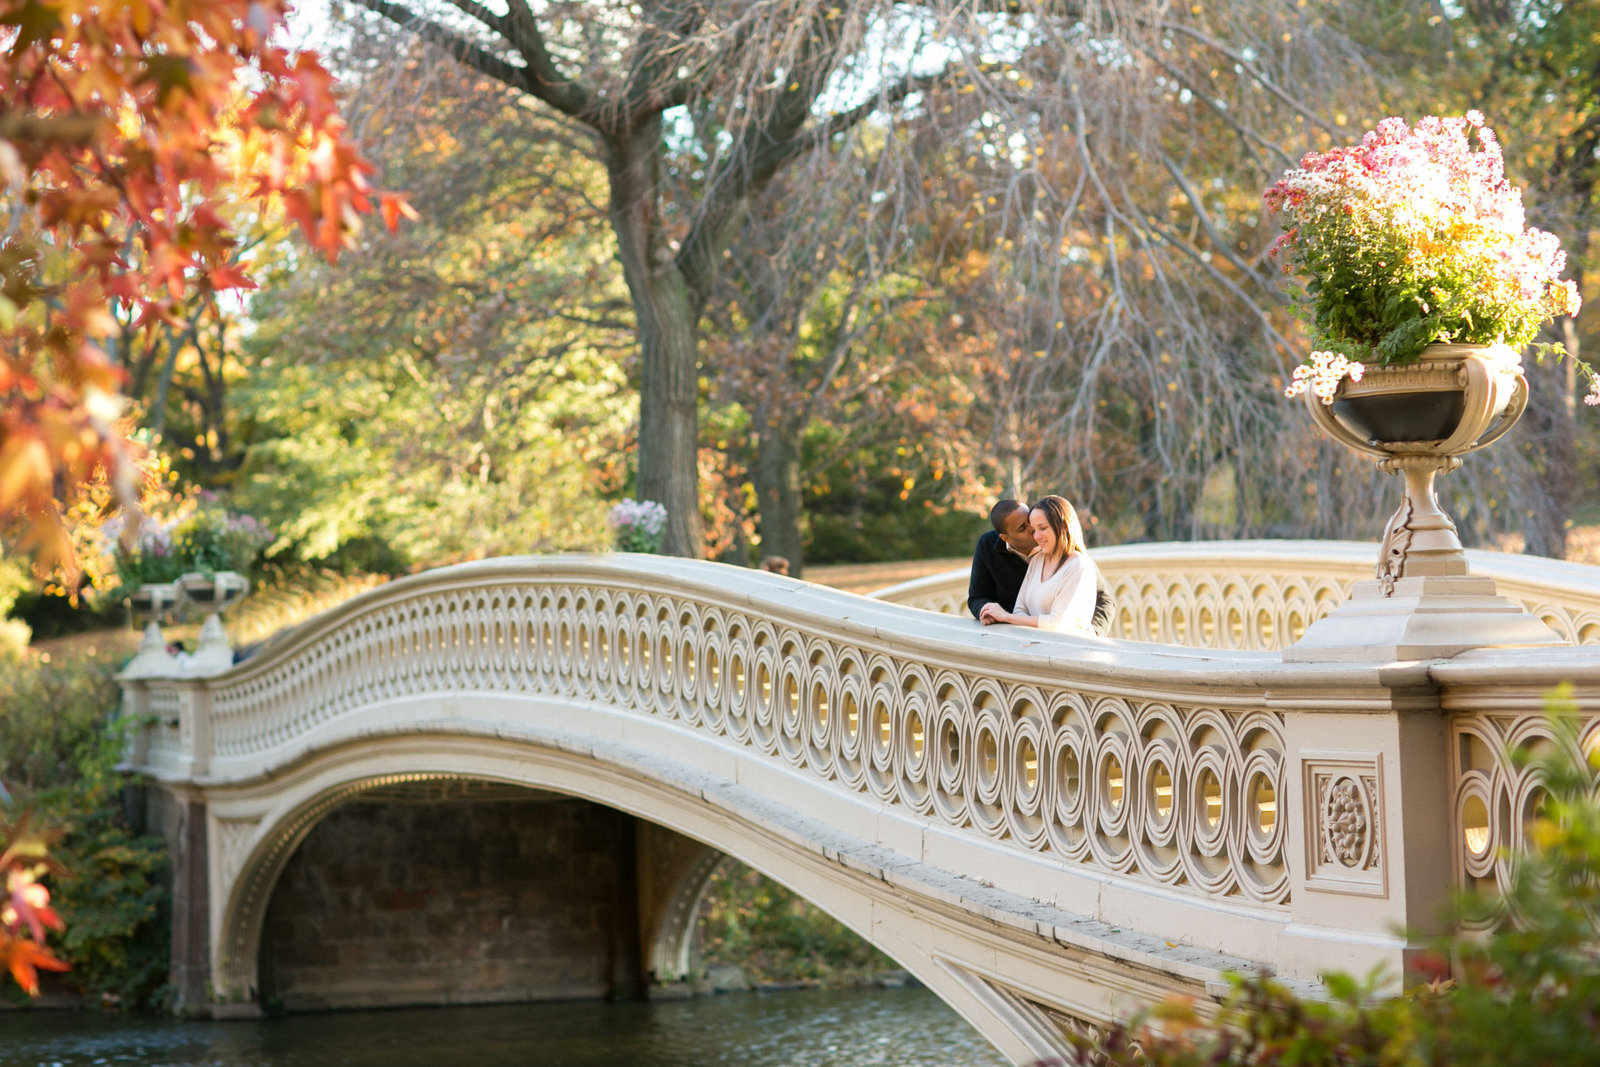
x: 1035, y: 560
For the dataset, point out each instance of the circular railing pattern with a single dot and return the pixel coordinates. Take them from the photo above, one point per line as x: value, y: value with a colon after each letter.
x: 1226, y: 610
x: 1179, y: 794
x: 1264, y: 595
x: 1500, y: 790
x: 1237, y: 610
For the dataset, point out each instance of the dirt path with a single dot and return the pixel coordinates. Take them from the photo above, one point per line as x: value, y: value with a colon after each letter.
x: 866, y: 577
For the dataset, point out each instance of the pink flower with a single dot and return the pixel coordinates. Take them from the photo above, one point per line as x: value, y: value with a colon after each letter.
x: 1436, y: 192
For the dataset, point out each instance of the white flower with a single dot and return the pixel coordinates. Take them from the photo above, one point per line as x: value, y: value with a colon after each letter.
x: 1323, y: 373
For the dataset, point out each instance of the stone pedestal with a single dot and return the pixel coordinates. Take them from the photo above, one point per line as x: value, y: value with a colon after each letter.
x: 1423, y: 617
x: 152, y: 660
x: 1424, y: 602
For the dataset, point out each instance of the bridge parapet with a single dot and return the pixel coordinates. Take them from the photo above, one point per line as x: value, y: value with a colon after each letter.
x: 1264, y: 594
x: 1167, y: 811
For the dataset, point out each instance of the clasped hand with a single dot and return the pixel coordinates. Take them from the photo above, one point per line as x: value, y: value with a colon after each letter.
x: 993, y: 613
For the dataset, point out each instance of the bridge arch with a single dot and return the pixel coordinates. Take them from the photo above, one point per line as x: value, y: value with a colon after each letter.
x: 670, y: 938
x: 323, y: 781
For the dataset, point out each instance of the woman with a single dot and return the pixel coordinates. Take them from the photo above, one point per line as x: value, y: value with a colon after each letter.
x: 1058, y: 592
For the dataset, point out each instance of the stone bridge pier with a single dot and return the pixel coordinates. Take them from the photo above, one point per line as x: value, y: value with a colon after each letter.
x: 511, y: 779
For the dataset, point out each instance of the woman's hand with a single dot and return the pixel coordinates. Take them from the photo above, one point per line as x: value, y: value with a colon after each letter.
x: 993, y: 613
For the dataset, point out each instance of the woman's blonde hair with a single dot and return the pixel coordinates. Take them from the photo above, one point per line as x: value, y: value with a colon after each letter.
x: 1063, y: 520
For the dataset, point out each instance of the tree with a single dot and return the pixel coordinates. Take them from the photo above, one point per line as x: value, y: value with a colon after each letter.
x: 1094, y: 205
x: 1119, y: 107
x: 829, y: 326
x: 121, y: 127
x: 449, y: 391
x: 778, y: 78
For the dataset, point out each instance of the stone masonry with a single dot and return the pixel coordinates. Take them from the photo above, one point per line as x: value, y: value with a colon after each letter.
x: 390, y: 903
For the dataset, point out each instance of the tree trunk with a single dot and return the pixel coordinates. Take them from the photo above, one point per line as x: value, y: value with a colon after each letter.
x: 1548, y: 429
x: 777, y: 483
x: 669, y: 392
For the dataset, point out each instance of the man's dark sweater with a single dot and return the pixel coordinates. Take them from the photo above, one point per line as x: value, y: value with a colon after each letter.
x: 997, y: 574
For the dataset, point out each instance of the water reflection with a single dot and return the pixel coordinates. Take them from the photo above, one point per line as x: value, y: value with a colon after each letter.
x: 878, y: 1028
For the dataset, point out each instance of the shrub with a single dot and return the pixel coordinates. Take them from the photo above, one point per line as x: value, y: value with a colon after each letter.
x: 14, y: 633
x: 59, y: 746
x: 774, y: 935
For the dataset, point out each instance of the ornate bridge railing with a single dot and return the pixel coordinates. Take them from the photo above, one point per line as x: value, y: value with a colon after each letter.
x: 1263, y: 594
x: 1213, y: 801
x: 1170, y: 779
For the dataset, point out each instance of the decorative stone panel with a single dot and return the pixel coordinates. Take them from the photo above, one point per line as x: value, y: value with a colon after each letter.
x: 1344, y: 823
x: 231, y: 837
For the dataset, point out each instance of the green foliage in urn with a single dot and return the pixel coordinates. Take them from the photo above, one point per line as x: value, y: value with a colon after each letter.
x: 207, y: 538
x: 1414, y: 237
x: 213, y: 539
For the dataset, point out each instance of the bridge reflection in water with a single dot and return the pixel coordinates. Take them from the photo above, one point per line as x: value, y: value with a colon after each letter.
x: 1048, y: 831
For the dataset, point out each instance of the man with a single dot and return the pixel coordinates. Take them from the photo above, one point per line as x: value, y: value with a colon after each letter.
x: 1000, y: 562
x: 1001, y: 558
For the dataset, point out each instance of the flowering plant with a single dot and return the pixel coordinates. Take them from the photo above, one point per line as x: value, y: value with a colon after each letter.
x: 149, y: 558
x: 214, y: 539
x: 1412, y: 237
x: 638, y: 525
x: 206, y: 538
x: 25, y: 909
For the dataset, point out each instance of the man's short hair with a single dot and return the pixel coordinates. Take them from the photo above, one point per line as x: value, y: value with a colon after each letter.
x: 1001, y: 512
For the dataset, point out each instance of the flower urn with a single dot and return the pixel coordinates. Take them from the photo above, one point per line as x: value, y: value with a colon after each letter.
x: 153, y: 599
x: 211, y: 595
x: 1417, y: 420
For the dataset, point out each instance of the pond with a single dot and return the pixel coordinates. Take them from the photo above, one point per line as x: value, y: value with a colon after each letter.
x: 810, y: 1028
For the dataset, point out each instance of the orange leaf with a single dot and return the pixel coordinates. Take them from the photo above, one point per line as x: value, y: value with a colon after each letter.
x: 24, y: 470
x: 24, y: 959
x: 393, y: 207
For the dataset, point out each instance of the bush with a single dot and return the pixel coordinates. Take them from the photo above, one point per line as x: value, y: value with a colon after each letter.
x: 752, y: 922
x: 58, y: 750
x: 14, y: 633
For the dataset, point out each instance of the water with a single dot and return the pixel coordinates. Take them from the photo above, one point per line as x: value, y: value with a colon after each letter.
x: 813, y: 1028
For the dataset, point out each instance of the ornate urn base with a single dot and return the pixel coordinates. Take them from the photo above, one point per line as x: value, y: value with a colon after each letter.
x: 1418, y: 420
x: 211, y: 595
x: 151, y: 601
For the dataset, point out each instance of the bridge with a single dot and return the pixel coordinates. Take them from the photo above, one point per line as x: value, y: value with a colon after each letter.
x: 1047, y: 831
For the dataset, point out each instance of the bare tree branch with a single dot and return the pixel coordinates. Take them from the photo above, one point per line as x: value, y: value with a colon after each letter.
x: 497, y: 23
x: 1220, y: 243
x: 474, y: 55
x: 1256, y: 74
